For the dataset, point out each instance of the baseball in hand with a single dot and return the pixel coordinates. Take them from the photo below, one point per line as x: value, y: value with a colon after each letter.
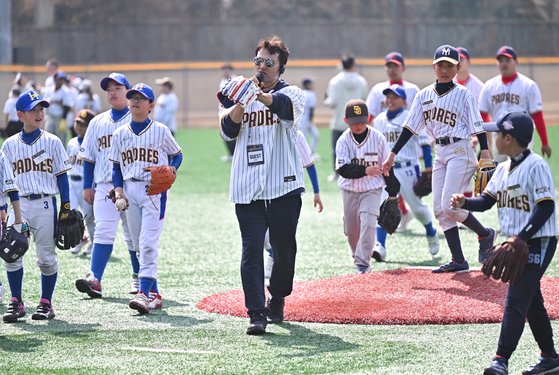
x: 121, y: 204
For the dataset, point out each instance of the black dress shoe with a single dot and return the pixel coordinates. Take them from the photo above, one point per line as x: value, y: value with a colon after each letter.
x: 257, y: 325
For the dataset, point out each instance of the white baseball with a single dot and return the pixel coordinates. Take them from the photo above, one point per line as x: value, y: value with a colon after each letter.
x: 121, y: 204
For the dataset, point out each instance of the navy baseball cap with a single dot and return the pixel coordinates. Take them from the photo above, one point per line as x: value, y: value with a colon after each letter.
x: 29, y: 100
x: 447, y: 53
x: 518, y: 124
x: 396, y: 90
x: 116, y: 77
x: 394, y: 57
x: 506, y: 51
x: 356, y: 111
x: 142, y: 89
x: 60, y: 75
x: 464, y: 53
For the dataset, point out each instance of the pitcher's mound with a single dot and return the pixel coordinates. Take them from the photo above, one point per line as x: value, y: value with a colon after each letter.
x: 403, y: 296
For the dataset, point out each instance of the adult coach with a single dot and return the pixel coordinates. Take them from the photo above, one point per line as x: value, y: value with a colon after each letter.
x: 346, y: 85
x: 449, y: 113
x: 525, y: 177
x: 166, y: 105
x: 513, y: 91
x: 266, y: 181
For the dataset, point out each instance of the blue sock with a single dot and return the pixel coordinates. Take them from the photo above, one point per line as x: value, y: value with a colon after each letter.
x: 99, y: 258
x: 134, y: 260
x: 15, y: 280
x: 429, y: 229
x: 155, y: 287
x: 381, y: 236
x: 146, y: 284
x: 47, y: 285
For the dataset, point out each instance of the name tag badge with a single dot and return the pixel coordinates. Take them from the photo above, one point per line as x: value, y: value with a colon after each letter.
x: 371, y: 158
x: 255, y: 154
x: 39, y: 157
x: 514, y: 191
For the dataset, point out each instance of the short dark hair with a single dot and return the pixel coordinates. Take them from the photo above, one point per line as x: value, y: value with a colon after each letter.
x: 348, y: 61
x: 53, y: 62
x: 274, y: 45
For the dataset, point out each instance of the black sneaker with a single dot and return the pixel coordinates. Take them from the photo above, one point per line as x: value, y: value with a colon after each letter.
x: 257, y: 325
x: 15, y: 310
x: 44, y: 310
x: 546, y: 365
x: 499, y: 366
x: 276, y: 305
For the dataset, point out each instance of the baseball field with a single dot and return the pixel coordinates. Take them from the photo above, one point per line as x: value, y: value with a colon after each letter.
x: 199, y: 256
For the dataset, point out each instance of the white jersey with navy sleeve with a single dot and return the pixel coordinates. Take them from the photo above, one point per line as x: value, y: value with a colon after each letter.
x: 372, y: 151
x: 518, y: 191
x: 305, y: 153
x: 36, y: 166
x: 498, y: 98
x: 453, y: 114
x: 134, y: 152
x: 266, y: 164
x: 73, y: 149
x: 7, y: 178
x: 97, y: 142
x: 473, y: 84
x: 376, y: 99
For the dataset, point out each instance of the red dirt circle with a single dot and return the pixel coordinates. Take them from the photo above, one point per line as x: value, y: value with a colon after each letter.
x: 402, y: 296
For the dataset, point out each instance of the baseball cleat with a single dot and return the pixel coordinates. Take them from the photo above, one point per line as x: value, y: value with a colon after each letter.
x: 257, y: 325
x: 404, y: 222
x: 140, y: 303
x: 44, y: 310
x: 545, y: 365
x: 499, y: 366
x: 276, y: 306
x: 76, y: 250
x: 485, y: 244
x: 155, y: 301
x: 135, y: 284
x: 434, y: 245
x: 379, y: 252
x: 88, y: 249
x: 15, y: 310
x: 452, y: 266
x: 90, y: 285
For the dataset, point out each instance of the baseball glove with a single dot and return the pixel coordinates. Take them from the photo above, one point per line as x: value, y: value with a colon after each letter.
x: 507, y: 260
x: 162, y: 178
x: 390, y: 215
x: 422, y: 186
x: 69, y: 228
x: 15, y: 242
x: 241, y: 90
x: 485, y: 170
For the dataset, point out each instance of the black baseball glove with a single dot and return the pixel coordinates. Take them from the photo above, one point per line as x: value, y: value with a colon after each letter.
x: 69, y: 228
x: 422, y: 187
x: 390, y: 215
x: 507, y: 260
x: 14, y: 242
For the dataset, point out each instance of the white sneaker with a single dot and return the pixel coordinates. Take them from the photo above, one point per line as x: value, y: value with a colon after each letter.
x: 83, y: 242
x: 2, y: 290
x: 404, y: 222
x: 155, y: 301
x: 434, y: 245
x: 268, y: 265
x: 379, y: 252
x: 140, y: 303
x: 135, y: 284
x: 88, y: 249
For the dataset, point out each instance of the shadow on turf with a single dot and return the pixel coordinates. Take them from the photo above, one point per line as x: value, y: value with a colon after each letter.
x: 162, y: 316
x: 21, y: 344
x: 307, y: 342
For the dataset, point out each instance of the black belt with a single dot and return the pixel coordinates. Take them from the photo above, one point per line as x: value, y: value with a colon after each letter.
x: 33, y: 197
x: 136, y: 180
x: 447, y: 140
x: 405, y: 164
x: 75, y: 178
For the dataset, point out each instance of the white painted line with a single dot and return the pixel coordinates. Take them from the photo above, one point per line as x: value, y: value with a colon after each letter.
x: 163, y: 350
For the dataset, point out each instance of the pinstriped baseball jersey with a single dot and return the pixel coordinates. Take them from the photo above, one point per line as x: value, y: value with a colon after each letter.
x: 73, y: 149
x: 391, y: 130
x: 305, y: 153
x: 522, y: 94
x: 453, y: 114
x: 97, y: 142
x: 36, y: 166
x: 473, y: 84
x: 266, y: 164
x: 372, y: 151
x: 375, y: 99
x: 7, y: 178
x: 152, y: 147
x: 518, y: 191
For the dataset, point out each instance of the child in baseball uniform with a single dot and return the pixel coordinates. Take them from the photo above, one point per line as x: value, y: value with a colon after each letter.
x: 449, y: 113
x: 76, y: 179
x: 138, y: 145
x: 40, y: 163
x: 359, y: 150
x: 406, y: 167
x: 523, y: 189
